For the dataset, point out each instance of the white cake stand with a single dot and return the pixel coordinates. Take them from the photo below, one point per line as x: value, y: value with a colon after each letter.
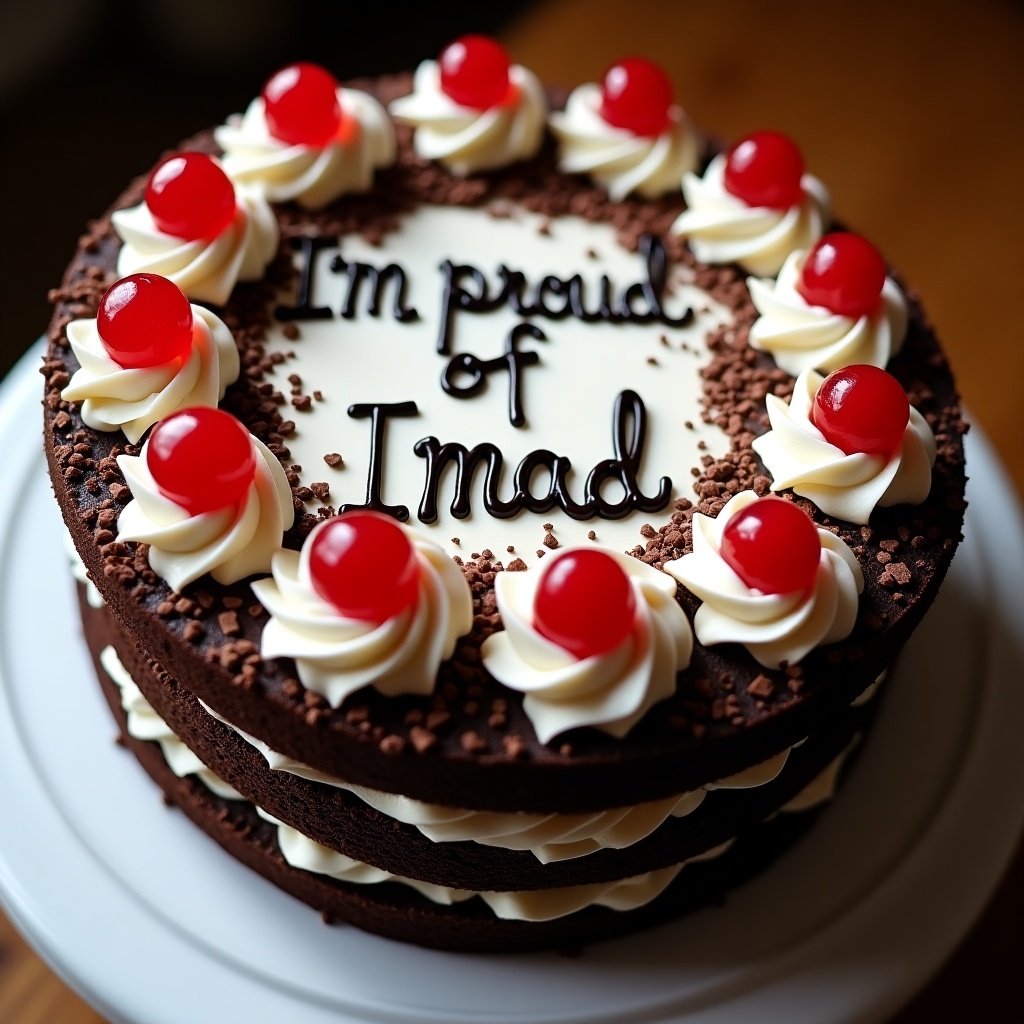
x: 152, y: 923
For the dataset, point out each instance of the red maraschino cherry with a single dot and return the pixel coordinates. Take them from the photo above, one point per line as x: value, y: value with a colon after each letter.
x: 585, y: 603
x: 844, y: 273
x: 202, y: 459
x: 765, y: 169
x: 145, y: 320
x: 190, y: 196
x: 364, y: 565
x: 772, y: 546
x: 301, y: 105
x: 862, y: 409
x: 474, y: 72
x: 636, y: 95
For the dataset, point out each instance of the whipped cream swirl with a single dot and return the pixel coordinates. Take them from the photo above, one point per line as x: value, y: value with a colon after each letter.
x: 721, y: 228
x: 622, y: 162
x: 467, y: 140
x: 229, y: 543
x: 336, y: 656
x: 205, y: 269
x: 802, y: 337
x: 611, y: 691
x: 848, y: 487
x: 775, y: 628
x: 313, y: 176
x: 115, y: 397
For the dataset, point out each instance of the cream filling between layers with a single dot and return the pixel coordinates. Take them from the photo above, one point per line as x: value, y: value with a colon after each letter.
x: 849, y: 487
x: 229, y: 543
x: 335, y: 655
x: 802, y: 337
x: 114, y: 397
x: 721, y: 228
x: 311, y: 175
x: 621, y: 161
x: 467, y: 140
x: 549, y: 837
x: 305, y: 854
x: 205, y: 269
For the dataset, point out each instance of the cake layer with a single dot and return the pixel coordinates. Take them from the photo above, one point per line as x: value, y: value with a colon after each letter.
x: 468, y: 924
x: 343, y: 822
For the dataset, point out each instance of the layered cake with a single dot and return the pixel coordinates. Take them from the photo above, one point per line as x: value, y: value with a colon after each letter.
x: 493, y: 508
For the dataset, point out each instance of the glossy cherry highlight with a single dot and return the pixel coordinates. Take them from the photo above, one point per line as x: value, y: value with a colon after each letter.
x: 301, y: 105
x: 636, y: 95
x: 202, y: 459
x: 765, y: 169
x: 772, y: 546
x: 862, y: 409
x: 585, y: 603
x: 474, y: 72
x: 145, y: 320
x: 844, y: 273
x: 190, y: 196
x: 364, y: 564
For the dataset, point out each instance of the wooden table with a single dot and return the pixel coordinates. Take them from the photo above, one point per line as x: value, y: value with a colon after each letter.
x: 912, y: 113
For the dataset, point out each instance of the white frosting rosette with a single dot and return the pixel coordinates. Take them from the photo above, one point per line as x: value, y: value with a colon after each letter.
x: 229, y: 543
x: 848, y: 487
x: 336, y: 656
x: 610, y: 691
x: 467, y: 140
x: 800, y: 336
x: 313, y: 176
x: 622, y: 162
x: 205, y: 269
x: 115, y: 397
x: 721, y: 228
x: 775, y: 628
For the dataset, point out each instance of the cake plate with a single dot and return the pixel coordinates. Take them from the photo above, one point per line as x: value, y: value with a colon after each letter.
x: 152, y: 923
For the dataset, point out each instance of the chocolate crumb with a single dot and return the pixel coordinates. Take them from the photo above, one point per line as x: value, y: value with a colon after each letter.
x: 472, y: 742
x: 228, y: 622
x: 761, y: 686
x: 391, y: 744
x: 438, y: 720
x: 550, y: 541
x: 591, y: 535
x: 422, y: 739
x: 511, y: 549
x: 334, y: 460
x: 513, y: 745
x: 516, y: 565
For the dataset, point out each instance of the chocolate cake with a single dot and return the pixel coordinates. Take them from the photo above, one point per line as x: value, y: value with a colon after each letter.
x: 417, y: 440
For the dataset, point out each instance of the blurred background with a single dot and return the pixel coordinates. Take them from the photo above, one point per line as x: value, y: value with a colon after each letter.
x: 912, y: 113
